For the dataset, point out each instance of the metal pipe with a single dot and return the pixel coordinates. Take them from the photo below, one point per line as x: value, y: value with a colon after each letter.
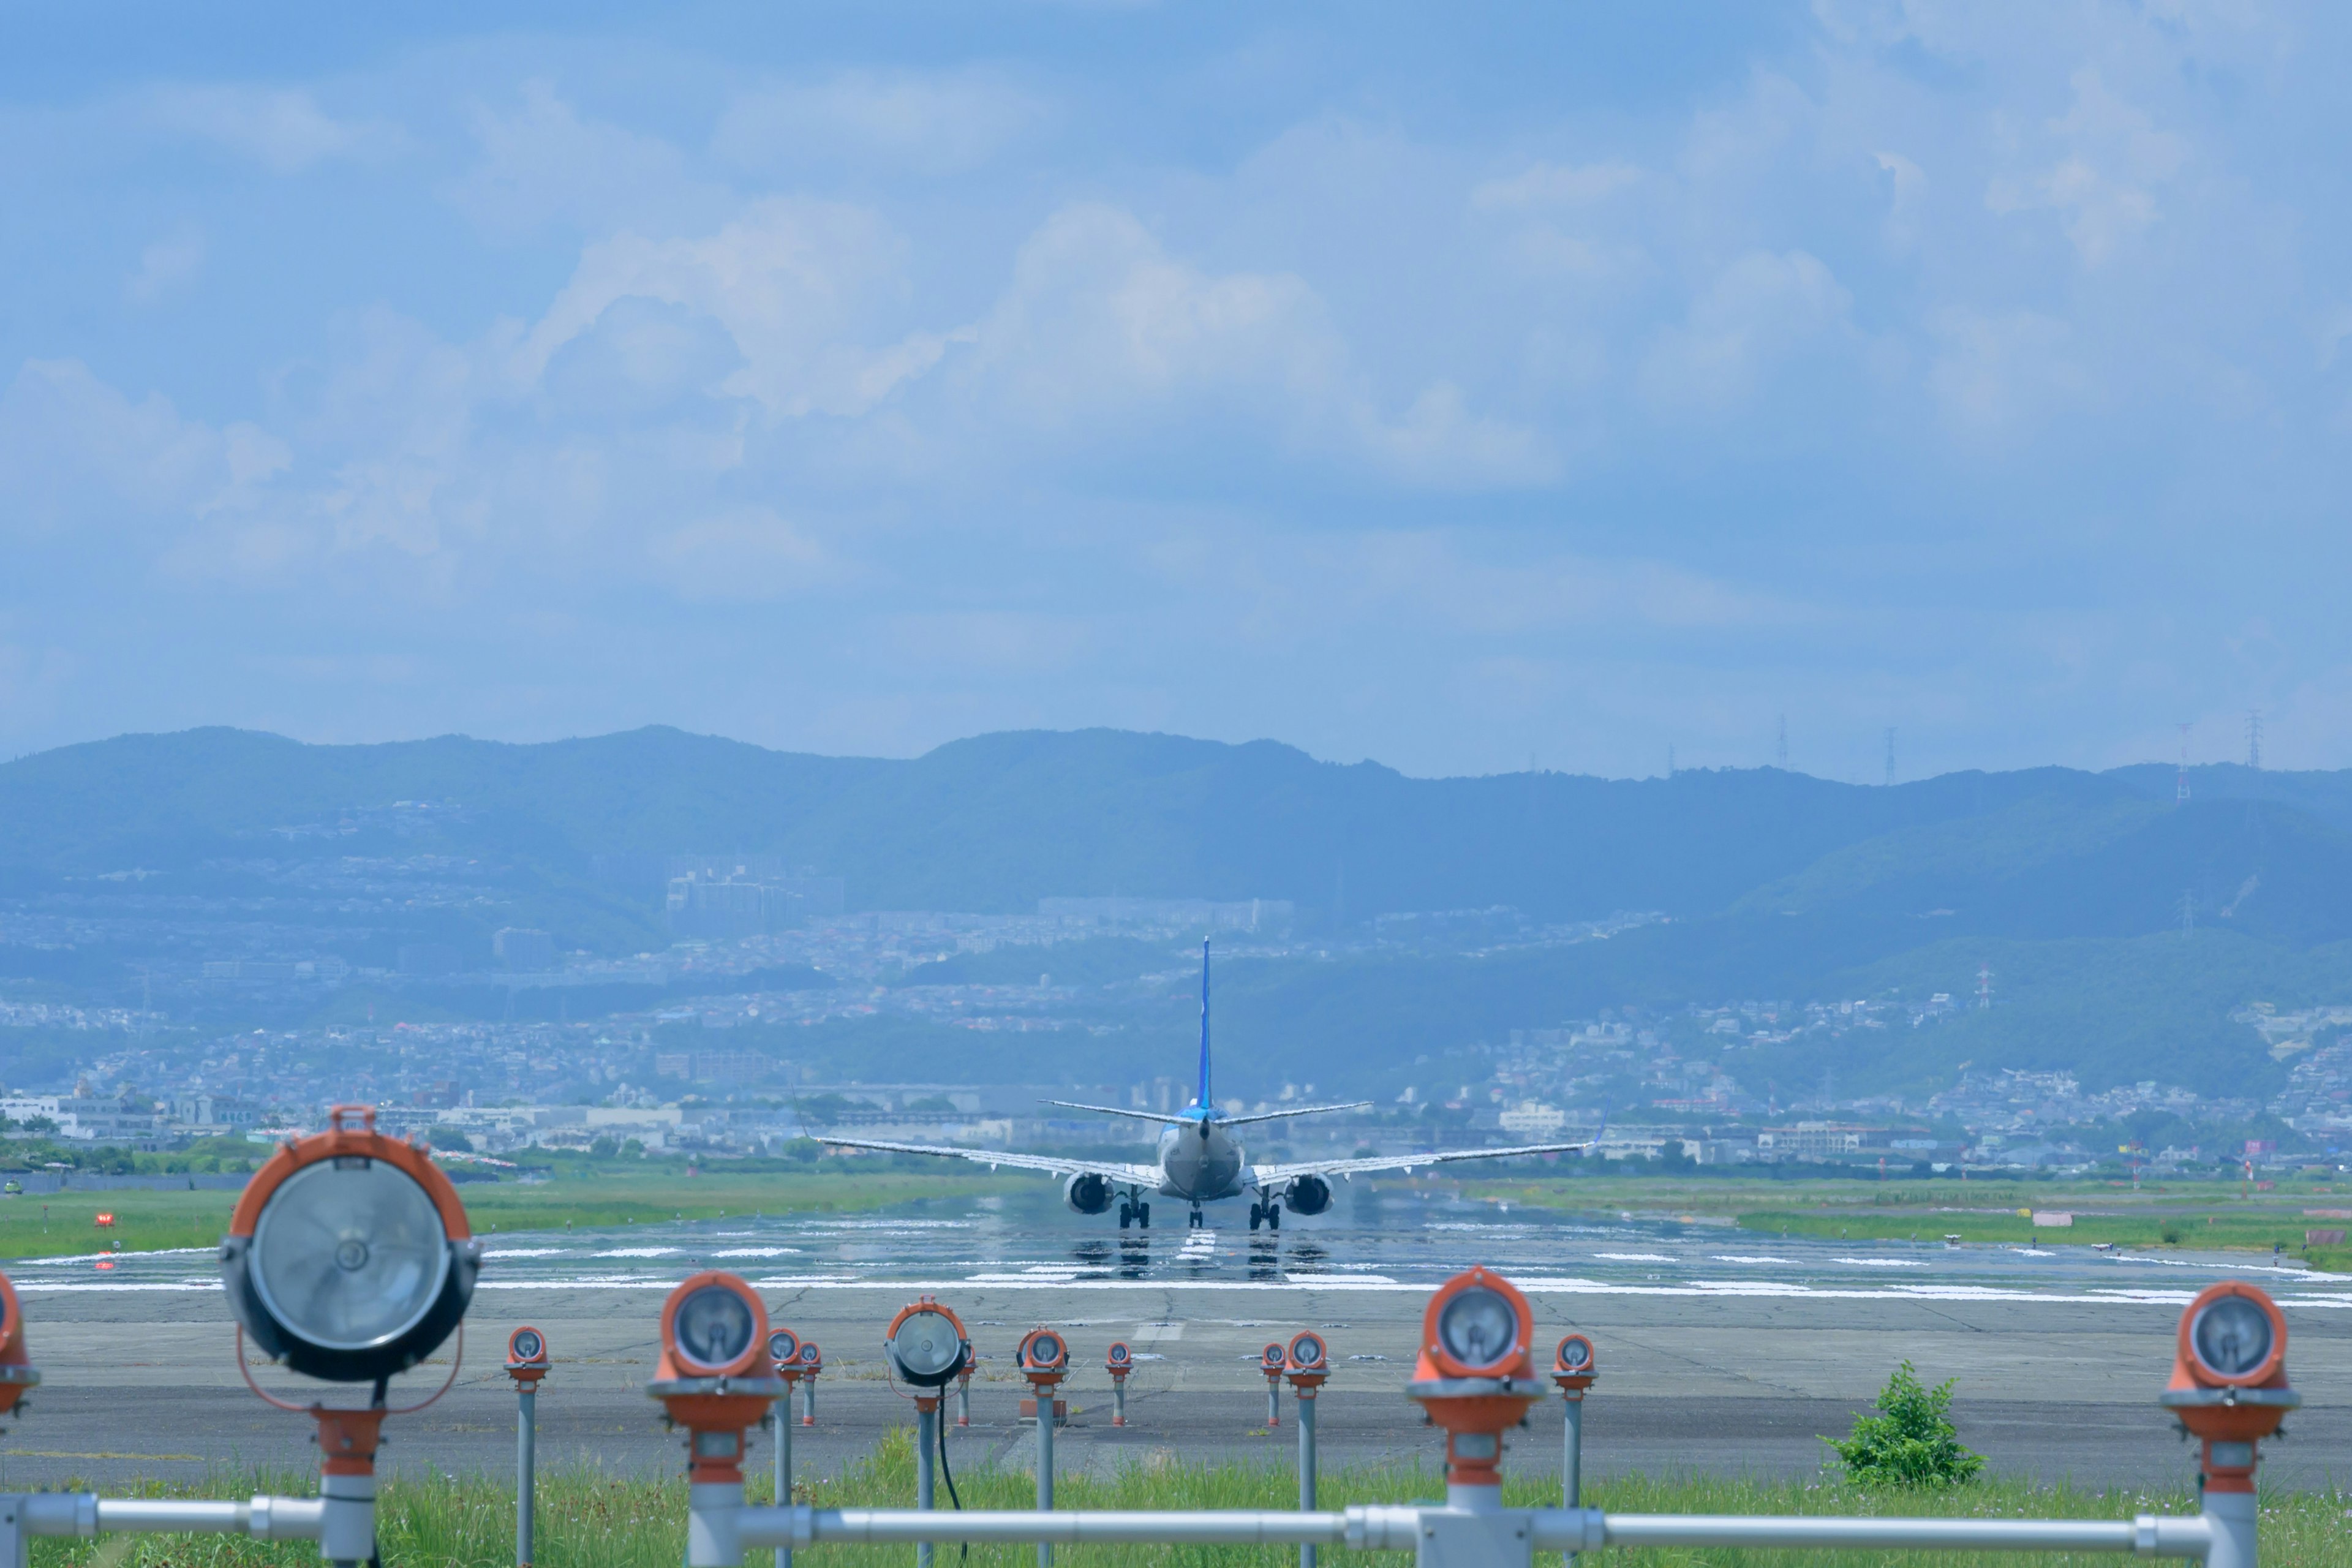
x: 526, y: 1468
x: 1119, y: 1402
x: 927, y: 1426
x: 1399, y: 1529
x: 804, y: 1526
x: 781, y: 1417
x: 1571, y: 1455
x: 172, y: 1514
x: 1273, y: 1403
x: 2229, y: 1516
x: 1044, y: 1470
x: 963, y: 1399
x: 1306, y: 1469
x: 808, y: 1399
x: 2148, y: 1535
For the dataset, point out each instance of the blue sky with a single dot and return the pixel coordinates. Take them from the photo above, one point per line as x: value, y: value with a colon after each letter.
x: 1565, y: 383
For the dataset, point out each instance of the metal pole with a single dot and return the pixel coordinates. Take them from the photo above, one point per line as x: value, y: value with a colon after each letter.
x: 808, y: 1399
x: 1306, y: 1469
x: 781, y: 1416
x: 1045, y: 1467
x: 2231, y: 1516
x: 526, y: 1468
x: 927, y: 1432
x: 1273, y: 1403
x: 1571, y: 1455
x: 963, y: 1399
x: 1119, y: 1402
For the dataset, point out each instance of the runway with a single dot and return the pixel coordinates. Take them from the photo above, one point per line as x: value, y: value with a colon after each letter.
x: 1719, y: 1350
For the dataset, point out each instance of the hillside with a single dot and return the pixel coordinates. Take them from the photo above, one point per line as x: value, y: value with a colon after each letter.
x: 1775, y: 885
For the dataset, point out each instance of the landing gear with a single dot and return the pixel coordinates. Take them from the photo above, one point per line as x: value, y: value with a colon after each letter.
x: 1269, y: 1211
x: 1196, y: 1218
x: 1134, y: 1209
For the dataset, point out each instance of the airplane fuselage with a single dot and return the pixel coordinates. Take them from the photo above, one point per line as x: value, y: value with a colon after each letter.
x: 1199, y: 1159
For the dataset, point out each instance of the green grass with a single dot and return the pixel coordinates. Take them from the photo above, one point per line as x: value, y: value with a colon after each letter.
x: 591, y: 1520
x: 52, y: 1225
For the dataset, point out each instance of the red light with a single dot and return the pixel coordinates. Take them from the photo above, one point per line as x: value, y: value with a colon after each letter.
x: 106, y: 1219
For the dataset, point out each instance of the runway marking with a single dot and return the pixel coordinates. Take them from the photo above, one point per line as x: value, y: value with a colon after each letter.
x: 60, y: 1454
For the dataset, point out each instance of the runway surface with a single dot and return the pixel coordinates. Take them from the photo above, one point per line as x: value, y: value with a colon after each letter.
x: 1719, y: 1350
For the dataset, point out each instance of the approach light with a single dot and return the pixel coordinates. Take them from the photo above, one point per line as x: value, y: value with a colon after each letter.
x: 1573, y: 1367
x: 714, y: 1378
x: 1272, y: 1360
x: 1309, y: 1361
x: 927, y: 1345
x: 349, y: 1256
x: 1120, y: 1361
x: 783, y: 1350
x: 1045, y: 1355
x: 17, y: 1375
x: 2228, y: 1384
x: 1474, y: 1376
x: 526, y: 1357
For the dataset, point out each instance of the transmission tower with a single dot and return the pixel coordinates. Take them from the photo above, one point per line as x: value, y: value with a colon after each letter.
x: 2254, y: 737
x: 1781, y: 752
x: 2181, y: 784
x: 1890, y: 754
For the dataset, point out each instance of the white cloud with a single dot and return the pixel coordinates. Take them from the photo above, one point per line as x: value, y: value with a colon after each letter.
x: 749, y: 555
x: 2111, y: 161
x: 282, y: 129
x: 542, y: 163
x: 166, y: 264
x: 75, y: 453
x: 796, y: 285
x: 1555, y: 184
x: 1102, y: 330
x: 1993, y: 371
x: 930, y: 123
x: 1756, y: 310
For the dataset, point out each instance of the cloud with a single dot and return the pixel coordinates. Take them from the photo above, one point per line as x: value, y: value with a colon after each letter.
x: 929, y: 123
x: 542, y: 163
x: 282, y: 129
x: 1555, y: 185
x: 1758, y: 309
x: 1995, y: 370
x: 795, y: 285
x: 2104, y: 185
x: 1102, y: 331
x: 165, y: 265
x: 77, y: 454
x: 747, y: 556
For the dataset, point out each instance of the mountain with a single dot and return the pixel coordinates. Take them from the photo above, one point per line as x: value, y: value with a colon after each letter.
x: 1776, y: 884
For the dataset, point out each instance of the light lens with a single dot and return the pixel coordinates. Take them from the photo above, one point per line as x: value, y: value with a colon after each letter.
x: 2232, y: 1336
x: 350, y: 1253
x: 810, y: 1355
x: 783, y: 1345
x: 1044, y: 1350
x: 1119, y: 1355
x: 1574, y: 1352
x: 927, y: 1345
x: 713, y: 1326
x: 1308, y: 1350
x: 1479, y: 1327
x: 528, y: 1346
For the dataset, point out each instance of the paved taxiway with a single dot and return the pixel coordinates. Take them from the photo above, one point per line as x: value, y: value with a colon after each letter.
x: 142, y: 1381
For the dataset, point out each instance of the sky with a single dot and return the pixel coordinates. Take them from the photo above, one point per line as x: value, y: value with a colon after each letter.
x: 1567, y: 384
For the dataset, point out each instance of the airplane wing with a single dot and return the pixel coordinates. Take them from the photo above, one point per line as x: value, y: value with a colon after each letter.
x: 1111, y: 1111
x: 1267, y: 1175
x: 1293, y: 1111
x: 1117, y: 1171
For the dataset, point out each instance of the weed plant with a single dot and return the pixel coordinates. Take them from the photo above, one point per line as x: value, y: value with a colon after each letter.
x: 588, y: 1520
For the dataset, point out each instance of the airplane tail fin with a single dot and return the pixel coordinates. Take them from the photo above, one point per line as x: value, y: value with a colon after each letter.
x: 1202, y: 1100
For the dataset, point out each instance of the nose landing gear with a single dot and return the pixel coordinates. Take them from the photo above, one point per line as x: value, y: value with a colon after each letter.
x: 1197, y: 1221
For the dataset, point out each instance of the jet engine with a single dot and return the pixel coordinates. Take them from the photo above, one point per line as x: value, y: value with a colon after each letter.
x: 1307, y: 1194
x: 1087, y: 1192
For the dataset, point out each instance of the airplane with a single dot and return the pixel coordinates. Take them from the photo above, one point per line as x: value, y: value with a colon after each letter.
x: 1198, y: 1159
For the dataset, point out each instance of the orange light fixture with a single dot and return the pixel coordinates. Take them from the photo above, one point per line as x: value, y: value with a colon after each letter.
x: 714, y: 1377
x: 1572, y: 1365
x: 17, y: 1373
x: 1474, y: 1376
x: 2229, y: 1383
x: 527, y: 1360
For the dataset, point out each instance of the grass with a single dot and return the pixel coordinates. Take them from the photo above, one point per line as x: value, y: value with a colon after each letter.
x: 50, y: 1225
x: 2202, y: 1215
x: 591, y: 1520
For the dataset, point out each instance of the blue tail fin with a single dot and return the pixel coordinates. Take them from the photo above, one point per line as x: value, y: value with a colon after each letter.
x: 1202, y: 1100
